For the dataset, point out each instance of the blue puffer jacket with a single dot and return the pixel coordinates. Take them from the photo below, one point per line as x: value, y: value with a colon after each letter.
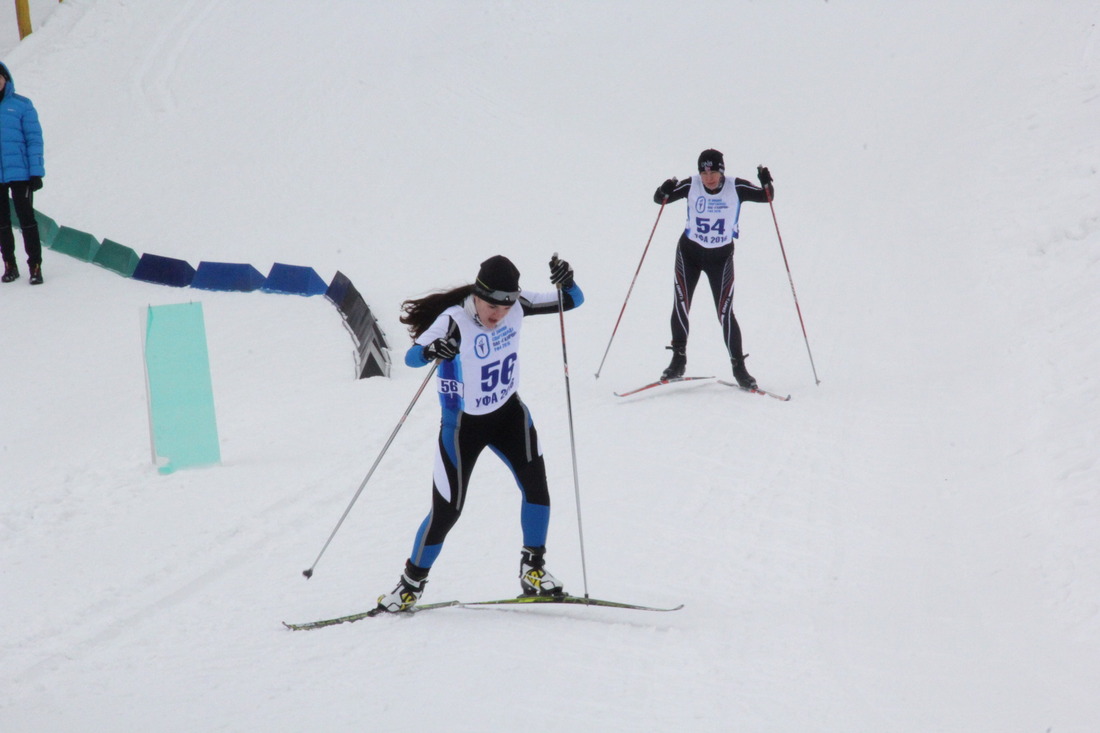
x: 21, y: 155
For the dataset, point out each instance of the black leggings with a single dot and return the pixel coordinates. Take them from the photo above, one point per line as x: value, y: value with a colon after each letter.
x: 510, y: 433
x: 692, y: 260
x: 23, y: 198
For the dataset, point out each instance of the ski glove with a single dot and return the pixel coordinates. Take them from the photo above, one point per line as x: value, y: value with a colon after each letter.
x: 36, y: 182
x: 442, y: 348
x: 764, y: 175
x: 667, y: 187
x: 561, y: 273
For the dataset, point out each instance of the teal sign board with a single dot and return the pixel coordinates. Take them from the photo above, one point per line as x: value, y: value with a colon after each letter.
x: 181, y: 395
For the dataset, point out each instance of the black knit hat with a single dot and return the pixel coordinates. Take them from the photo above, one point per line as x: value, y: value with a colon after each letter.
x: 497, y: 281
x: 711, y: 160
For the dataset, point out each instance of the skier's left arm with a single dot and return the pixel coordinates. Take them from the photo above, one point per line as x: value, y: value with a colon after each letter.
x: 32, y: 135
x: 762, y: 194
x: 561, y: 274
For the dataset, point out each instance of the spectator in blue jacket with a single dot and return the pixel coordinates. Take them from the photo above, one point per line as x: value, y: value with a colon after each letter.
x: 21, y: 170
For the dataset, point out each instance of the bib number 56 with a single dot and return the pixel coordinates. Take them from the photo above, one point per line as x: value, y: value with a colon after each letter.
x: 498, y: 372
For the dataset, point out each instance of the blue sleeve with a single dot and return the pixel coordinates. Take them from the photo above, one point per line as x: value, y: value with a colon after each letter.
x: 415, y: 358
x: 32, y: 133
x: 575, y: 294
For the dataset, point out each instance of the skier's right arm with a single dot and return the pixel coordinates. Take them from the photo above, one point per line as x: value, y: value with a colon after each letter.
x: 441, y: 340
x: 671, y: 190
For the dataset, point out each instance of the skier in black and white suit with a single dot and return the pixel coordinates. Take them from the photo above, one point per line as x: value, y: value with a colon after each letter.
x: 714, y: 207
x: 474, y: 332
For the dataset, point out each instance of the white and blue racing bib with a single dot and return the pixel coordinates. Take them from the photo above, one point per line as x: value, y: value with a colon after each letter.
x: 486, y: 371
x: 712, y: 218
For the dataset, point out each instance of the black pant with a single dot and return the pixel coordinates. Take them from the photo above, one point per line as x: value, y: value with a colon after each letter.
x: 692, y: 260
x: 510, y: 433
x: 23, y: 198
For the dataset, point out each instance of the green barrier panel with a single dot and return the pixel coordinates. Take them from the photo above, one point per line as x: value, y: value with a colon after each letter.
x: 47, y: 228
x: 181, y: 395
x: 117, y: 257
x: 75, y: 243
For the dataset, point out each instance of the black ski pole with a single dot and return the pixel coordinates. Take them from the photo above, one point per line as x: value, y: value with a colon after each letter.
x: 572, y: 439
x: 631, y: 289
x: 308, y: 572
x: 766, y: 178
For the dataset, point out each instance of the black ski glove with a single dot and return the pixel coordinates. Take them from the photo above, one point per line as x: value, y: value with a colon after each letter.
x: 667, y: 187
x: 764, y: 175
x: 36, y: 182
x: 442, y: 348
x: 561, y: 273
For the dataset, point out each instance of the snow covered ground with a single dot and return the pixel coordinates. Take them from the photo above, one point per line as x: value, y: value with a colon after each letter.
x: 908, y: 546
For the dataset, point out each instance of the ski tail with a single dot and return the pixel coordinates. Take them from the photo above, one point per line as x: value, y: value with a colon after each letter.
x: 571, y: 600
x: 755, y: 390
x: 659, y: 383
x: 376, y: 611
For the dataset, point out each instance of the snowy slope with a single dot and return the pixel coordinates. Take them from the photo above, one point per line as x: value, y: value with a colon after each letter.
x: 908, y: 546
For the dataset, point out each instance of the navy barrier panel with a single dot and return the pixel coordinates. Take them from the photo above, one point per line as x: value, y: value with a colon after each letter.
x: 164, y: 271
x: 227, y: 276
x: 374, y: 358
x: 338, y: 288
x: 376, y: 362
x: 293, y: 280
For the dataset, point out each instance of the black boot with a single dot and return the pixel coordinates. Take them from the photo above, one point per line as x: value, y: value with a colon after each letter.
x: 678, y: 364
x: 741, y: 374
x: 36, y: 275
x: 11, y: 272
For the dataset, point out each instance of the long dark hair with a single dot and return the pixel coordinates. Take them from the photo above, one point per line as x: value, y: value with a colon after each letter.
x: 419, y: 313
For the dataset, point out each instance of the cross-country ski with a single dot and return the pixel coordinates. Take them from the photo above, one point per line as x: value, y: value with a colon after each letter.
x: 567, y: 599
x: 519, y: 601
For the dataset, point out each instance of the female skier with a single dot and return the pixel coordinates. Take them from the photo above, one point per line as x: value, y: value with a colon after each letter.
x: 714, y: 205
x: 473, y: 331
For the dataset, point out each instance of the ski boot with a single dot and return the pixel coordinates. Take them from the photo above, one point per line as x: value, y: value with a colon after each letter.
x: 533, y: 578
x: 36, y: 275
x: 678, y: 364
x: 741, y: 374
x: 11, y: 272
x: 410, y: 586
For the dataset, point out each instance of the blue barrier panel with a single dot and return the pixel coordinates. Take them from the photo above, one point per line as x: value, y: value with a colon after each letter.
x: 164, y: 271
x: 181, y: 395
x: 294, y: 280
x: 227, y: 276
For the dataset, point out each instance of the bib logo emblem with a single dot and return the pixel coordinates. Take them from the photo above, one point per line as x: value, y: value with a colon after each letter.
x: 481, y: 345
